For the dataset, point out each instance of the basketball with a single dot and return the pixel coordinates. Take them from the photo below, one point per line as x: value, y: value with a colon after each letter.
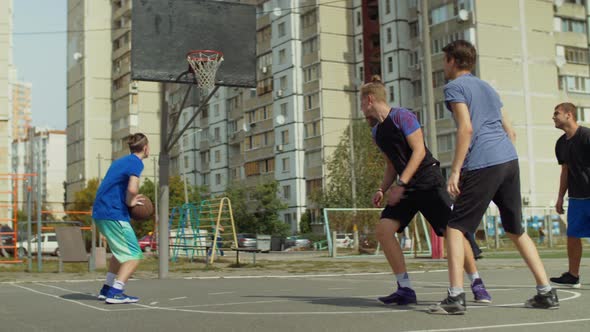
x: 142, y: 212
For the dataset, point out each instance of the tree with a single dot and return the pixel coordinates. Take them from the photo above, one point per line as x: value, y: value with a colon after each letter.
x: 368, y: 169
x: 83, y: 201
x: 258, y: 213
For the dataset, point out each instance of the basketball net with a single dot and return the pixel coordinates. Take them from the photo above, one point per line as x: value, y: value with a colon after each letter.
x: 204, y: 64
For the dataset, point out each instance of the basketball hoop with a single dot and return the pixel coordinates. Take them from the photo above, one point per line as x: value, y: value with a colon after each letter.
x: 204, y: 64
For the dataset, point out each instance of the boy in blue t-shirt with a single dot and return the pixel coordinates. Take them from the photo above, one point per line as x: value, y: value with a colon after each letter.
x: 484, y: 169
x: 118, y: 192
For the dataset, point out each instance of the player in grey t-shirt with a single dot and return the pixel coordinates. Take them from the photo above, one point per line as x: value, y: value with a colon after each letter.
x: 485, y: 168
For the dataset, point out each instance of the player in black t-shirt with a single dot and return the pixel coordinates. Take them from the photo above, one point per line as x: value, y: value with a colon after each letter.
x: 573, y: 154
x: 419, y: 186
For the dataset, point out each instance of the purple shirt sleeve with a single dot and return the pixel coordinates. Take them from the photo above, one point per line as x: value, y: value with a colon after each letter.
x: 406, y: 121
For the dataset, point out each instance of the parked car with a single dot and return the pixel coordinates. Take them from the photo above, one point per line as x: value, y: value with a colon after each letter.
x: 6, y: 240
x: 344, y: 240
x: 148, y: 243
x: 246, y: 240
x: 48, y: 245
x: 297, y: 242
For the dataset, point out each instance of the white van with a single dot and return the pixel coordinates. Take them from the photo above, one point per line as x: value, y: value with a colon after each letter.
x: 48, y: 245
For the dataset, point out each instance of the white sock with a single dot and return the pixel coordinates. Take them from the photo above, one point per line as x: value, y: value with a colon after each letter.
x: 110, y: 279
x: 119, y: 285
x: 543, y: 289
x: 404, y: 280
x: 473, y: 276
x: 455, y: 291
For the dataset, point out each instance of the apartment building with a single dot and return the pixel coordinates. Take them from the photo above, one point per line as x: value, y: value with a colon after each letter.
x: 135, y: 104
x: 290, y: 124
x: 21, y: 109
x: 89, y: 87
x: 7, y: 78
x: 534, y: 53
x: 42, y: 151
x: 104, y: 104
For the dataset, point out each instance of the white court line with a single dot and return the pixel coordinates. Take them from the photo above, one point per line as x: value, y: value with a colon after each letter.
x: 178, y: 298
x: 220, y: 293
x: 471, y: 328
x: 61, y: 298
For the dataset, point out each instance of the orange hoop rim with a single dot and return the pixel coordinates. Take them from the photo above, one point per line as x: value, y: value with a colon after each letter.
x: 195, y: 55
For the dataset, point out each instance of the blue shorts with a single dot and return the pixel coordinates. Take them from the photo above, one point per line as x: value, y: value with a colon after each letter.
x: 578, y: 218
x: 121, y: 239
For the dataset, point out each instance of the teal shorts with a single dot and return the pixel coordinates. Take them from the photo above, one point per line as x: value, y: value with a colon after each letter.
x: 121, y: 239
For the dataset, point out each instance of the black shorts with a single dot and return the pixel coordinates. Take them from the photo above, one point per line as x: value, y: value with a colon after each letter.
x: 434, y: 204
x: 498, y: 183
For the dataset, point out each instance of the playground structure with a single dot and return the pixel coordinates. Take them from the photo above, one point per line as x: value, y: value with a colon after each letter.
x: 202, y: 231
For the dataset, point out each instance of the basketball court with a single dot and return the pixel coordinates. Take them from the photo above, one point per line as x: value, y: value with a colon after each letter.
x: 320, y: 302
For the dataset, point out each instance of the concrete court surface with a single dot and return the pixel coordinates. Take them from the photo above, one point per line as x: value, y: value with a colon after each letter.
x: 328, y: 302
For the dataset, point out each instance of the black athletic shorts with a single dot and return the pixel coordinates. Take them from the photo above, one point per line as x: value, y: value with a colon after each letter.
x: 498, y: 183
x: 434, y: 204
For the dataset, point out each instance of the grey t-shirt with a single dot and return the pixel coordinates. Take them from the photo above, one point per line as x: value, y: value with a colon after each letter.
x: 490, y: 145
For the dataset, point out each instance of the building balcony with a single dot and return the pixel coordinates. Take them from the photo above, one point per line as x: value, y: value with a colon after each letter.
x: 574, y: 39
x: 261, y: 126
x: 310, y: 58
x: 263, y: 21
x: 309, y: 31
x: 124, y: 10
x: 309, y: 116
x: 260, y: 153
x: 311, y: 86
x: 236, y: 137
x: 204, y: 145
x: 265, y: 99
x: 313, y: 143
x: 122, y: 50
x: 236, y: 160
x: 313, y: 172
x: 571, y: 10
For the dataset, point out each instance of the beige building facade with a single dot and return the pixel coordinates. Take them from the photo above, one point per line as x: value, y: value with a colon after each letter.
x: 7, y: 78
x: 21, y: 109
x: 534, y: 53
x: 104, y: 104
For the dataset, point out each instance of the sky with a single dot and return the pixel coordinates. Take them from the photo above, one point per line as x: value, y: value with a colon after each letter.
x: 40, y: 58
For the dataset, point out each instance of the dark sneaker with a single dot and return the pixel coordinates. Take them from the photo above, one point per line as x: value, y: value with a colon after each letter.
x: 452, y: 305
x: 102, y: 295
x: 544, y: 301
x: 567, y: 279
x: 480, y: 294
x: 402, y: 296
x: 116, y: 296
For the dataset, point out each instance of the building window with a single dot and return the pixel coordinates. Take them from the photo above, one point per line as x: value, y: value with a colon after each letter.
x: 264, y: 35
x: 438, y: 78
x: 217, y: 133
x: 440, y: 111
x: 417, y: 88
x: 285, y: 163
x: 287, y: 193
x: 312, y: 129
x: 391, y: 94
x: 217, y: 156
x: 285, y: 136
x: 309, y: 46
x: 288, y: 219
x: 284, y: 109
x: 389, y: 35
x: 414, y: 29
x: 205, y: 179
x: 282, y: 56
x: 359, y: 46
x: 390, y: 64
x: 362, y: 73
x: 583, y: 114
x: 312, y: 101
x: 282, y: 30
x: 571, y: 25
x: 576, y: 84
x: 387, y: 7
x: 311, y: 73
x: 358, y: 18
x: 283, y: 82
x: 217, y: 179
x: 446, y: 142
x: 576, y: 55
x: 308, y: 19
